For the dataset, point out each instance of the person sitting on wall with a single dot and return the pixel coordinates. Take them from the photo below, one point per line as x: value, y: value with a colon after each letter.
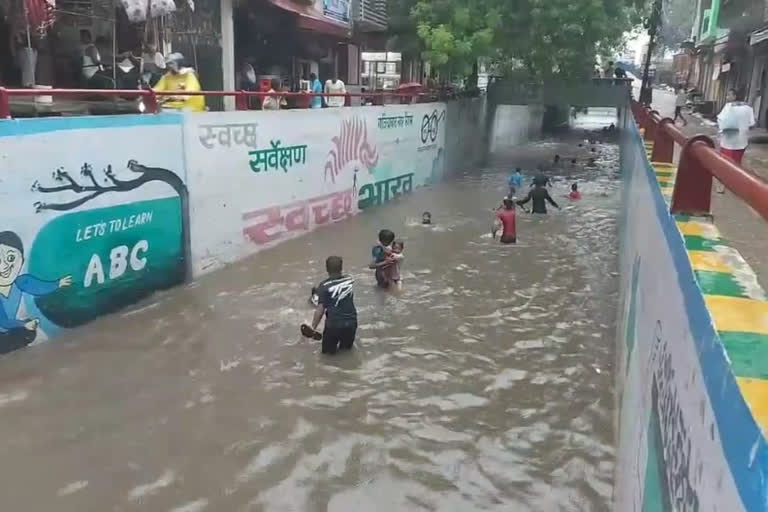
x: 16, y: 333
x: 180, y: 78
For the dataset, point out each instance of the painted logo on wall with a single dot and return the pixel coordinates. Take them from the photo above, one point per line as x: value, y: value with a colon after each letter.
x: 87, y: 263
x: 430, y: 127
x: 351, y: 145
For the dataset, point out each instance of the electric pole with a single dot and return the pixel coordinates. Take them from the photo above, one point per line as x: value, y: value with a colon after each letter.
x: 653, y: 24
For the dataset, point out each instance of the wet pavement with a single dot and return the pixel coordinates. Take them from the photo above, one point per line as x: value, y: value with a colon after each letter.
x: 743, y: 228
x: 486, y: 384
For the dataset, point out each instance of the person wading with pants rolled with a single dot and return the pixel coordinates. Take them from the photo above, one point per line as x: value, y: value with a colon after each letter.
x: 336, y: 302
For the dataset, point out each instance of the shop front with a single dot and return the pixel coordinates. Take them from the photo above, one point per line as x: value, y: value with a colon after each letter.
x: 381, y: 71
x: 758, y: 41
x: 288, y: 40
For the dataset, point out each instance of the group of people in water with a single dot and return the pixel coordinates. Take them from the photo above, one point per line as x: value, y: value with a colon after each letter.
x: 538, y: 195
x: 333, y: 298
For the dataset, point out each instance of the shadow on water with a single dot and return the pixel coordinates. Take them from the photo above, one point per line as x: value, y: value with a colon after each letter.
x: 486, y: 384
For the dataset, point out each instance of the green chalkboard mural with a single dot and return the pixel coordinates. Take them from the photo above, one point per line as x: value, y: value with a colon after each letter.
x: 115, y: 255
x: 88, y: 226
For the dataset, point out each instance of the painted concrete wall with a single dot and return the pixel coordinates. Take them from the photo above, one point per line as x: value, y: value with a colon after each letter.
x: 687, y: 439
x: 466, y: 136
x: 93, y: 217
x: 99, y: 212
x: 514, y: 124
x: 260, y: 178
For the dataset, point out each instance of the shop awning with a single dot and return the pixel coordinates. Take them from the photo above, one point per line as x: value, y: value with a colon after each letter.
x: 309, y: 18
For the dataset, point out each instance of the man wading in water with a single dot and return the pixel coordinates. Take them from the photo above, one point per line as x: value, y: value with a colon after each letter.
x: 381, y: 263
x: 540, y: 196
x: 336, y: 302
x: 505, y: 219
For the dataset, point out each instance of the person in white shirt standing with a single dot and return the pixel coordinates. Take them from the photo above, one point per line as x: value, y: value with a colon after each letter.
x: 734, y: 122
x: 335, y: 86
x: 680, y: 101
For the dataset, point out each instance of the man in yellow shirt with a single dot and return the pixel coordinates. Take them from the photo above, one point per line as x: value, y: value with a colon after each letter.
x: 179, y: 79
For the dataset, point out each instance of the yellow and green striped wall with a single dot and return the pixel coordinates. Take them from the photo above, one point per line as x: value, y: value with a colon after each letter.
x: 735, y: 300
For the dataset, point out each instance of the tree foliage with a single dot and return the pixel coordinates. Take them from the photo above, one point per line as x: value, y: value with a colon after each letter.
x: 538, y: 38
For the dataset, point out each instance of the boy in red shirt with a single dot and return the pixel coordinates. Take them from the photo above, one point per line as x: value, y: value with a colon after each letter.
x: 505, y: 219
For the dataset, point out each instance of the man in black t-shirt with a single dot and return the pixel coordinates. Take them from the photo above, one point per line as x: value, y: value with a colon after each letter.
x: 540, y: 196
x: 336, y: 302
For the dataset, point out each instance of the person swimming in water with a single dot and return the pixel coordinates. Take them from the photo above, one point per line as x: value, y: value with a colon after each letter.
x: 540, y: 197
x: 505, y: 220
x: 426, y: 218
x: 575, y: 194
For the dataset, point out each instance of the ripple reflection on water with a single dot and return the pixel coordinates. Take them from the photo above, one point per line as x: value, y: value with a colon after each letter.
x: 485, y: 385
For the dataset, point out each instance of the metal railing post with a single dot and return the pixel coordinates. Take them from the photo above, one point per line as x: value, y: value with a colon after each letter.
x: 650, y: 125
x: 693, y: 185
x: 5, y: 104
x: 663, y: 144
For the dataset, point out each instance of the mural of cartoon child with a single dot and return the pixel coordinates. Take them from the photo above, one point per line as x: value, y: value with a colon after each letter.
x: 15, y: 333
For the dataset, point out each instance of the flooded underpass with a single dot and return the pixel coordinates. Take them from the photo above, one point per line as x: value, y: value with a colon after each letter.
x: 486, y: 384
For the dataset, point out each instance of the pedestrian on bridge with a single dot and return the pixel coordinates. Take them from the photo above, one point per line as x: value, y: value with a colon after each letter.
x: 734, y: 123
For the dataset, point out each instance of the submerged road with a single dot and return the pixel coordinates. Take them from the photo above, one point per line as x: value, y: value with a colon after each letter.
x: 485, y: 385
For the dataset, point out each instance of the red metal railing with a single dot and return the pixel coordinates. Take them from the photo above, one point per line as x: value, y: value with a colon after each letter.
x: 699, y: 162
x: 153, y: 99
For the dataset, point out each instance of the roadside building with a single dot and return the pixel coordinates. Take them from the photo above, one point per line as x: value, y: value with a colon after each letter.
x: 725, y: 57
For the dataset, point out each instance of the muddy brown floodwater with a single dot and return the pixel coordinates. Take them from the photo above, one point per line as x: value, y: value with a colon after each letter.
x: 485, y: 385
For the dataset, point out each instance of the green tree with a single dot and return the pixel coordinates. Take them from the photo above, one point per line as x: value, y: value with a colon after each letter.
x: 455, y: 34
x: 536, y: 38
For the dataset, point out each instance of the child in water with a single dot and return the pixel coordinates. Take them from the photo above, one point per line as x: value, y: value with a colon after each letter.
x: 515, y: 181
x: 426, y: 218
x: 396, y: 258
x: 575, y: 194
